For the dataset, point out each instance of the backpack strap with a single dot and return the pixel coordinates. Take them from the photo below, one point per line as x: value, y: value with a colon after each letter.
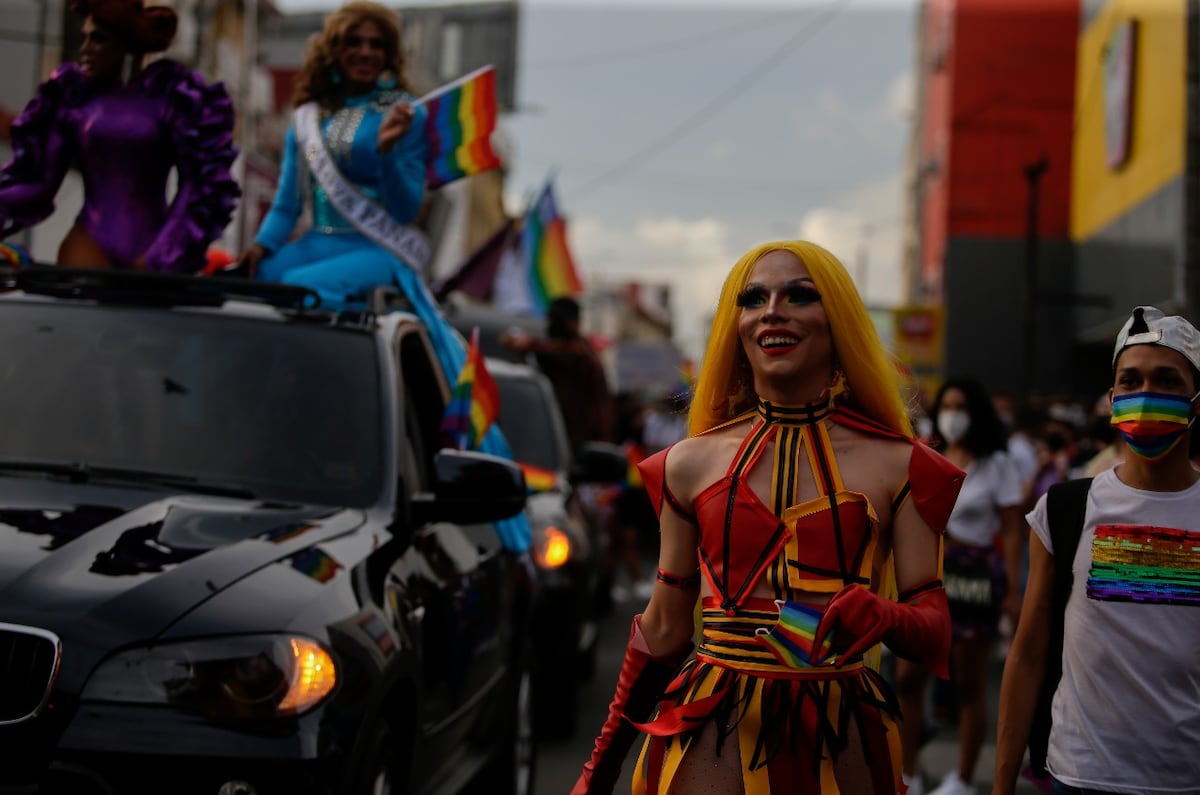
x: 1066, y: 506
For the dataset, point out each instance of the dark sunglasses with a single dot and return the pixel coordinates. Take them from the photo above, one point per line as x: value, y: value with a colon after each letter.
x: 374, y: 42
x: 755, y: 296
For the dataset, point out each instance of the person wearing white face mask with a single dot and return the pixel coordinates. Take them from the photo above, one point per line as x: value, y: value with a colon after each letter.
x: 981, y: 583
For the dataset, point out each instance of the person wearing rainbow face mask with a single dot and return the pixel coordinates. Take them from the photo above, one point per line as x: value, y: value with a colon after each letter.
x: 1124, y: 714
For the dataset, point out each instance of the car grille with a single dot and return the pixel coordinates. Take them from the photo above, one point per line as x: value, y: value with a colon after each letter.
x: 28, y: 664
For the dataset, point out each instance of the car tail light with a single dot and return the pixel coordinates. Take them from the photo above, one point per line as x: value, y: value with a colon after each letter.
x: 553, y: 548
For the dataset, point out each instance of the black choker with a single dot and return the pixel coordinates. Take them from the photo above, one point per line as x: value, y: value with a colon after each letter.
x: 806, y: 414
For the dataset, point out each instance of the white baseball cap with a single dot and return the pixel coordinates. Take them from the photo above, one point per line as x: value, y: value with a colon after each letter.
x: 1149, y: 326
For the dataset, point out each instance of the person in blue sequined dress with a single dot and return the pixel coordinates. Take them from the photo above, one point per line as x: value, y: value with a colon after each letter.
x: 354, y: 73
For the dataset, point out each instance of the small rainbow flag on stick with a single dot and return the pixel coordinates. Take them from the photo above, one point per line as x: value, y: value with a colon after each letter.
x: 462, y: 116
x: 475, y: 403
x: 538, y: 479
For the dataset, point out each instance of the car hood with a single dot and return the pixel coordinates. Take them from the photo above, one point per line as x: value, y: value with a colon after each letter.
x: 123, y: 564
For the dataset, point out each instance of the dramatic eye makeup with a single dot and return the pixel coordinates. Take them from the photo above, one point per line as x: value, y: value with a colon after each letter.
x: 757, y: 295
x: 374, y: 42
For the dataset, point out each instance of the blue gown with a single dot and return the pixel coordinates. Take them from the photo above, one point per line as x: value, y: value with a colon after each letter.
x: 340, y: 263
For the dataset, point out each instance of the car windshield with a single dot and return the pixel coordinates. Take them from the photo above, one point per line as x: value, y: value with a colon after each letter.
x: 524, y: 418
x: 281, y: 411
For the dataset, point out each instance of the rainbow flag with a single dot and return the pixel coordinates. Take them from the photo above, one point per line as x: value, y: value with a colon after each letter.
x: 15, y: 255
x: 687, y: 379
x: 315, y: 563
x: 458, y: 127
x: 538, y: 479
x: 475, y: 403
x: 552, y: 272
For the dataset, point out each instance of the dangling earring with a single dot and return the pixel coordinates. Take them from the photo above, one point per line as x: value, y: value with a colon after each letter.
x: 386, y: 81
x: 126, y: 68
x: 335, y: 75
x: 838, y: 386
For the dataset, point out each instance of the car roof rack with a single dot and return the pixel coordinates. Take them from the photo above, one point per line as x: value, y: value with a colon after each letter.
x: 386, y: 298
x: 156, y: 289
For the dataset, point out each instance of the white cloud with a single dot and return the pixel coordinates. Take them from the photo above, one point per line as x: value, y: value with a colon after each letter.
x: 864, y: 229
x: 902, y: 95
x: 720, y: 150
x: 831, y: 104
x: 690, y: 255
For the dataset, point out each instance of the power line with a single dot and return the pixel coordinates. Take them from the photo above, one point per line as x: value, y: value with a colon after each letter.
x: 693, y: 121
x: 658, y: 48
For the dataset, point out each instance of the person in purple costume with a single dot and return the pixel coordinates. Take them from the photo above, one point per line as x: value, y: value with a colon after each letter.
x: 125, y: 124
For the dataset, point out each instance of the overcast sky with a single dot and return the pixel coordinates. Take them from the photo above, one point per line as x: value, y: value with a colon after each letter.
x: 680, y: 134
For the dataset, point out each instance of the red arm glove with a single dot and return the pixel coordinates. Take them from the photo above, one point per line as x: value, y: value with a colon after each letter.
x: 917, y: 628
x: 639, y: 687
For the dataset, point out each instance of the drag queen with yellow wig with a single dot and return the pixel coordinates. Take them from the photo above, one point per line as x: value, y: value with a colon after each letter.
x: 798, y: 503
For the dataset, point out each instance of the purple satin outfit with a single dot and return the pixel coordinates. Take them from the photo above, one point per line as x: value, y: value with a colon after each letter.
x: 125, y: 141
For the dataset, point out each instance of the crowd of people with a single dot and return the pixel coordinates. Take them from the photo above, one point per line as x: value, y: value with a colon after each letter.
x: 805, y: 512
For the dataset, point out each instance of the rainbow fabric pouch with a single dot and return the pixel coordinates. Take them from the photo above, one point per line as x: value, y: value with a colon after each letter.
x: 791, y: 639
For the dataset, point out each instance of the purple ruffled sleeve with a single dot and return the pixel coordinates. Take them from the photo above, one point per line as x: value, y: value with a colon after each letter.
x: 40, y: 156
x: 200, y: 117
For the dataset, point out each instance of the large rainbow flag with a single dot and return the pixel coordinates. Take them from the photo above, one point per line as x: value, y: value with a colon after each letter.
x: 552, y: 272
x: 462, y: 116
x: 475, y: 403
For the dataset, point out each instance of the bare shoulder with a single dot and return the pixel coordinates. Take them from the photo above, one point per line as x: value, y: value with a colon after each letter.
x: 698, y: 461
x: 884, y: 460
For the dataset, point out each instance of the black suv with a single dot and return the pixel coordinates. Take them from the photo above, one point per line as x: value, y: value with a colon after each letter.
x: 234, y: 561
x: 570, y: 551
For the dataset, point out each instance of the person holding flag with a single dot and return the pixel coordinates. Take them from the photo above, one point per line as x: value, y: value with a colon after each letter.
x: 360, y: 153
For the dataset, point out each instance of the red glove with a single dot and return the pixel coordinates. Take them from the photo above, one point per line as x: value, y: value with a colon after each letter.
x: 916, y: 629
x: 639, y: 687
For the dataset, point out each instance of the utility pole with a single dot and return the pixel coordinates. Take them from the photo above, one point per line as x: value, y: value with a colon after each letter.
x: 1188, y: 279
x: 1033, y: 175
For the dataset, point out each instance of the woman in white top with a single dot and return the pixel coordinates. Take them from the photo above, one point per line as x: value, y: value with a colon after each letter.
x: 981, y: 583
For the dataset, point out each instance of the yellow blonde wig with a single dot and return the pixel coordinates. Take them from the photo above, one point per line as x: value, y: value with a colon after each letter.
x: 724, y: 388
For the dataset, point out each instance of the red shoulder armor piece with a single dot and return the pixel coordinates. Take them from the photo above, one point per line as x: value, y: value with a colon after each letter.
x: 933, y: 481
x: 653, y: 470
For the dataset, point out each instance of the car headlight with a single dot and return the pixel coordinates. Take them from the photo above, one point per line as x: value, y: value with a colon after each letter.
x: 245, y: 676
x: 552, y: 548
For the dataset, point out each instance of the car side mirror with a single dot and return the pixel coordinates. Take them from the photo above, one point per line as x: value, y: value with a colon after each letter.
x: 599, y: 462
x: 470, y: 487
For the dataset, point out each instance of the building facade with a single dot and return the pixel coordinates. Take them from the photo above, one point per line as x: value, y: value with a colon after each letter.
x: 1055, y: 178
x: 990, y: 176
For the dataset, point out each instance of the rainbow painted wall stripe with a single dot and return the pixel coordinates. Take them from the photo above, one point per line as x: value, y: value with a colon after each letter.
x: 458, y: 128
x: 1132, y: 563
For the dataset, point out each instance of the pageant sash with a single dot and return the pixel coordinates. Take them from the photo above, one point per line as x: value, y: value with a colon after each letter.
x: 371, y: 219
